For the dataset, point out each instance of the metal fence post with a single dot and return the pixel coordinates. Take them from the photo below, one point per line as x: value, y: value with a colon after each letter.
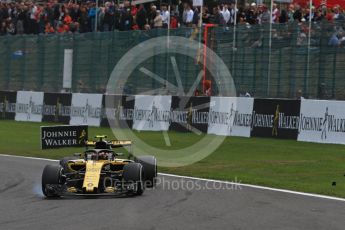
x: 8, y: 61
x: 23, y: 72
x: 40, y: 60
x: 333, y: 71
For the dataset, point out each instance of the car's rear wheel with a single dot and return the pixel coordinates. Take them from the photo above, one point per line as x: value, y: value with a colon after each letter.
x: 51, y: 179
x: 133, y: 176
x: 150, y: 169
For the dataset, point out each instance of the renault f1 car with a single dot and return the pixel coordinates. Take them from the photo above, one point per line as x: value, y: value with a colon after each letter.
x: 100, y: 171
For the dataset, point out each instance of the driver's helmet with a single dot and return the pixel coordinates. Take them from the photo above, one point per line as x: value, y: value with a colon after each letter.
x: 102, y: 155
x: 94, y: 156
x: 101, y: 145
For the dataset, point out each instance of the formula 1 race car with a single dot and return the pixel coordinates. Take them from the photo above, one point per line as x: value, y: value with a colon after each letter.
x: 100, y: 171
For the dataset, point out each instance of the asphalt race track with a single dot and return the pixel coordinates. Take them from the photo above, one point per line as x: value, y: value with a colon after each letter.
x: 22, y: 206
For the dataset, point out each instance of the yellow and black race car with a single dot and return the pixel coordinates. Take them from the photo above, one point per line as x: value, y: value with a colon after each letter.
x: 100, y: 171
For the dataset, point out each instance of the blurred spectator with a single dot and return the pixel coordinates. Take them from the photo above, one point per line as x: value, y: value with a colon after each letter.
x: 126, y: 19
x: 109, y: 17
x: 83, y: 20
x: 337, y: 14
x: 284, y: 18
x: 10, y: 28
x: 158, y: 21
x: 152, y: 15
x: 165, y: 16
x: 49, y: 29
x: 92, y: 16
x: 196, y: 17
x: 206, y: 15
x: 290, y: 12
x: 226, y: 15
x: 188, y: 15
x: 250, y: 13
x: 173, y: 22
x: 52, y: 16
x: 263, y: 15
x: 233, y: 11
x: 34, y: 17
x: 3, y: 28
x: 141, y: 18
x: 218, y: 16
x: 275, y: 13
x: 337, y: 39
x: 297, y: 15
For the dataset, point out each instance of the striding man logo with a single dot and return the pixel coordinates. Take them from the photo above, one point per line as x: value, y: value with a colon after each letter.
x: 232, y: 111
x: 152, y: 115
x: 57, y: 110
x: 86, y: 111
x: 190, y: 117
x: 82, y: 137
x: 275, y: 122
x: 29, y: 110
x: 4, y: 107
x: 324, y: 126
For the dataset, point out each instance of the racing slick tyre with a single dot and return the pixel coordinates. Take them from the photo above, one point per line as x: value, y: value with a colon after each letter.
x: 133, y: 173
x: 64, y: 161
x: 150, y: 169
x: 52, y: 179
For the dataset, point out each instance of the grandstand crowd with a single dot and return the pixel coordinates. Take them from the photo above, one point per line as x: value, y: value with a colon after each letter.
x: 54, y: 17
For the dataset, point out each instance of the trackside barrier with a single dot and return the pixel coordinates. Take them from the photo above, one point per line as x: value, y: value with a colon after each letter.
x: 321, y: 121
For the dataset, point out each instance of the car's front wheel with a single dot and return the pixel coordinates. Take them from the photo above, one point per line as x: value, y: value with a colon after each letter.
x: 52, y: 179
x: 133, y: 177
x: 150, y: 169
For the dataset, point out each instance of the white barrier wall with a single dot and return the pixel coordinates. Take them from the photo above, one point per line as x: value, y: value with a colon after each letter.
x: 29, y: 106
x: 151, y: 112
x: 230, y: 116
x: 319, y: 121
x: 86, y: 109
x: 322, y: 121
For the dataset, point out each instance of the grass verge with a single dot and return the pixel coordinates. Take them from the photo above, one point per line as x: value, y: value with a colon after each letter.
x: 287, y: 164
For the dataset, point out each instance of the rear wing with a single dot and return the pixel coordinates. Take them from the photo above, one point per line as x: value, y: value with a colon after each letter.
x: 113, y: 143
x: 120, y: 143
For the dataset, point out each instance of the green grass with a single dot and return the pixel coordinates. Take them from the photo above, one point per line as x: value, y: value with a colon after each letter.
x: 300, y: 166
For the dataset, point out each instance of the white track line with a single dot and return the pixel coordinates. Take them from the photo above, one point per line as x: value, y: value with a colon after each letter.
x: 31, y: 158
x: 215, y: 181
x: 257, y: 187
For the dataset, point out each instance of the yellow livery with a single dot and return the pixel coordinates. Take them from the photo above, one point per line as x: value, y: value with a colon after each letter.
x: 100, y: 171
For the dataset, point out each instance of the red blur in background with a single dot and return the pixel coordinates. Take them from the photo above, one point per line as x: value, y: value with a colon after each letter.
x: 317, y: 3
